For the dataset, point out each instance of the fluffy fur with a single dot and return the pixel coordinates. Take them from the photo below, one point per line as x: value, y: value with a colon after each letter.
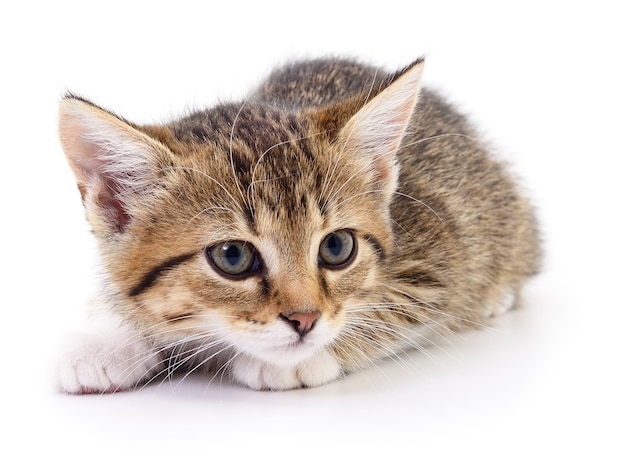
x: 356, y: 216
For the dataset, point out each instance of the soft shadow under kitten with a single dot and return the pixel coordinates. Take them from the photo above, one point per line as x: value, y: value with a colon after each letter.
x: 336, y: 216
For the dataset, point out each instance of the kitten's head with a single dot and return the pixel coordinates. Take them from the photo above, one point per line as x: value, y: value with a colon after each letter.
x: 246, y: 225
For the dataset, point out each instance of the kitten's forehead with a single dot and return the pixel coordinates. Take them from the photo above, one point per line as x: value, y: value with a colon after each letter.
x: 272, y: 168
x: 264, y: 155
x: 257, y: 127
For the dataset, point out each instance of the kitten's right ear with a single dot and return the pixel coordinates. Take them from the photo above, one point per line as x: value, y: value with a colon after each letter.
x: 374, y: 132
x: 112, y: 161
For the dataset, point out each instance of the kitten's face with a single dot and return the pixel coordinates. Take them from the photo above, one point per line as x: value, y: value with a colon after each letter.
x: 269, y: 226
x: 245, y: 227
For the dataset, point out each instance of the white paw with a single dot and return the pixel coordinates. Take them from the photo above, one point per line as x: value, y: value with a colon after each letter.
x: 112, y: 358
x: 319, y: 369
x: 260, y: 375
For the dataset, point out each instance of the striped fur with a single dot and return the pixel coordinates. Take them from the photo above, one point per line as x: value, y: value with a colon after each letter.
x: 441, y: 231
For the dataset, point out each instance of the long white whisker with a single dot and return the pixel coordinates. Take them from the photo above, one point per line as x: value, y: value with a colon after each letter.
x: 433, y: 137
x: 434, y: 309
x: 206, y: 359
x: 406, y: 334
x: 210, y: 178
x: 231, y: 153
x: 397, y: 193
x: 256, y: 165
x: 329, y: 174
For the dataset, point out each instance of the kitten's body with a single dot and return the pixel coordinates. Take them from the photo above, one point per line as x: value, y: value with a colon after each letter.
x: 324, y: 156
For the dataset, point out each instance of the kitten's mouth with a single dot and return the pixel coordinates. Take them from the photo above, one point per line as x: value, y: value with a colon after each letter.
x: 288, y: 342
x: 290, y: 354
x: 298, y: 343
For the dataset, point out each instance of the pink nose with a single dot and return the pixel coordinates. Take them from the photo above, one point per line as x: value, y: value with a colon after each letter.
x: 302, y: 322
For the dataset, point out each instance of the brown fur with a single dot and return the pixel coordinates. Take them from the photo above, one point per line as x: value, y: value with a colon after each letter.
x: 436, y: 252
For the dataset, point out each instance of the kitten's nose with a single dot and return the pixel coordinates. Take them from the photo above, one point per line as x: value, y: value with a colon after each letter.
x: 302, y: 322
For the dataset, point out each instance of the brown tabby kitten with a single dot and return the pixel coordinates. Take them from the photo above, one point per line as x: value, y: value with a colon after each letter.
x: 328, y: 220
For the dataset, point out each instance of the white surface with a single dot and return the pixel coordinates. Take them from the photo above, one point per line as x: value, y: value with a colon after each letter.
x: 543, y: 389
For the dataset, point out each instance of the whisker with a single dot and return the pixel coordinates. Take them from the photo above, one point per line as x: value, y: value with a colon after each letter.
x: 406, y: 334
x: 344, y: 345
x: 231, y: 153
x: 435, y: 309
x: 210, y: 178
x: 223, y: 368
x: 433, y: 137
x: 206, y: 359
x: 338, y: 190
x: 210, y: 209
x: 415, y: 312
x: 397, y: 193
x: 355, y: 343
x: 143, y: 357
x: 329, y: 174
x: 253, y: 179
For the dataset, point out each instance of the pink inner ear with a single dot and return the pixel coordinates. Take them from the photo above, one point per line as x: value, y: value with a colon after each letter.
x: 108, y: 201
x: 384, y: 166
x: 101, y: 187
x: 376, y: 131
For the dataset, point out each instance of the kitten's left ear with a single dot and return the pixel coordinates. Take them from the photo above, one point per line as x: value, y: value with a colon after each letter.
x: 376, y: 130
x: 113, y: 162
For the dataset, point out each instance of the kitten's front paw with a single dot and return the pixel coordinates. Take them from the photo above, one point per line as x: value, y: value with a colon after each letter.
x: 261, y: 375
x: 107, y: 363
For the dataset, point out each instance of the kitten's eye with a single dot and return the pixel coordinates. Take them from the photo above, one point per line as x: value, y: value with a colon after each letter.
x: 235, y: 258
x: 337, y: 249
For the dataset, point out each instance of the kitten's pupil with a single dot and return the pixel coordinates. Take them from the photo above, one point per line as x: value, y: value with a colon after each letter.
x: 232, y: 254
x: 233, y: 258
x: 337, y: 249
x: 334, y: 245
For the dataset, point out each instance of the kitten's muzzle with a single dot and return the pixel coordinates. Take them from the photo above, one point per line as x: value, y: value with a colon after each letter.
x: 301, y: 322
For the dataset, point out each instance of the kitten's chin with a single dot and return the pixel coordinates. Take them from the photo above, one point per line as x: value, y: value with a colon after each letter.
x: 283, y: 347
x: 284, y: 355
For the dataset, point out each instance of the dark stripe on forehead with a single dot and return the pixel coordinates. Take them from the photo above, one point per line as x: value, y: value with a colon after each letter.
x: 151, y: 276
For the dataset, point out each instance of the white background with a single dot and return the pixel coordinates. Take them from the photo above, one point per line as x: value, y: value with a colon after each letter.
x: 543, y: 389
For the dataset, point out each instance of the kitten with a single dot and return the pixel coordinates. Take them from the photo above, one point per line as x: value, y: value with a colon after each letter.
x: 336, y: 216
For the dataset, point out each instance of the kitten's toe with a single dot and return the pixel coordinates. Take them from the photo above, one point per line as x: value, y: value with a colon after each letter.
x: 260, y: 375
x: 98, y: 366
x: 78, y: 376
x: 319, y: 369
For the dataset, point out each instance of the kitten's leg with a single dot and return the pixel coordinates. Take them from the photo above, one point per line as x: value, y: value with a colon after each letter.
x: 261, y: 375
x: 509, y: 300
x: 110, y: 357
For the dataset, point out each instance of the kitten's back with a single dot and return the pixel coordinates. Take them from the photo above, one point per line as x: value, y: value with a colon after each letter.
x: 460, y: 219
x: 318, y: 82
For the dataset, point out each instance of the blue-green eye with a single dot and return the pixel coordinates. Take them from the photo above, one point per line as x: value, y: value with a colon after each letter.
x: 234, y: 258
x: 337, y: 249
